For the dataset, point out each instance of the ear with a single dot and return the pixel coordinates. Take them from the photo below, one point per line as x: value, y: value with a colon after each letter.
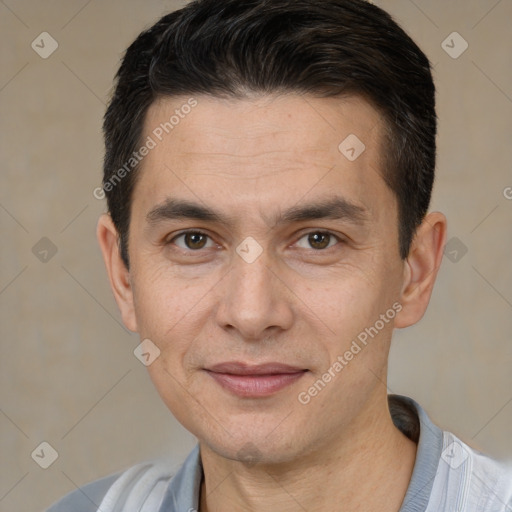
x: 420, y: 269
x: 118, y: 274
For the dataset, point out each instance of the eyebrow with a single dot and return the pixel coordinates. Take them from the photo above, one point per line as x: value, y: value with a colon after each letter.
x: 335, y: 208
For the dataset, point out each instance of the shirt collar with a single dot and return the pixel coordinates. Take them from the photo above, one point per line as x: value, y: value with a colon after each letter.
x: 428, y: 454
x: 183, y: 492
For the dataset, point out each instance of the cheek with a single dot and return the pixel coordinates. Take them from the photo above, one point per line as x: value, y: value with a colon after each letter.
x: 359, y: 316
x: 348, y: 301
x: 167, y: 308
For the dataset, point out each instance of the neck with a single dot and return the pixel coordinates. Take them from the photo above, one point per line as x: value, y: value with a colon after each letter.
x: 367, y: 467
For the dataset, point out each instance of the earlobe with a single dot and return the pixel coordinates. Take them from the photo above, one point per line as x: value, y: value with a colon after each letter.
x: 421, y: 268
x: 118, y: 274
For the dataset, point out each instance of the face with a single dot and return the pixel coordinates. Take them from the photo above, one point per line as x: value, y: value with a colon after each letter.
x: 261, y: 252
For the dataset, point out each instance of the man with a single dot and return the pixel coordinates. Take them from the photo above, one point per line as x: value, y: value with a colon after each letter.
x: 268, y: 171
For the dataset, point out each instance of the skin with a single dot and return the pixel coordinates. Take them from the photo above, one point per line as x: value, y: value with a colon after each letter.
x: 298, y: 303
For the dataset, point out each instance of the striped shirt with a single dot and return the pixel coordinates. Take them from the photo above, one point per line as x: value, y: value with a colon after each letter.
x: 448, y: 476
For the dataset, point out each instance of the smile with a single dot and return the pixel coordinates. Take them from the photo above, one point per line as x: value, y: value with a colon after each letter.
x: 255, y: 381
x: 253, y: 386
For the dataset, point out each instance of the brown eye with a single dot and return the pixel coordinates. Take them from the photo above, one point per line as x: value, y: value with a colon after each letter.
x: 318, y: 240
x: 192, y: 240
x: 195, y: 240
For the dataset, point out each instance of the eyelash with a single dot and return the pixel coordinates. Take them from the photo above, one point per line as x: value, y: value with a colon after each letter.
x: 202, y: 233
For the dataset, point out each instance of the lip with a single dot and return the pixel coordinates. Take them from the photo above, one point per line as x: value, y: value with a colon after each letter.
x: 239, y: 368
x: 253, y: 381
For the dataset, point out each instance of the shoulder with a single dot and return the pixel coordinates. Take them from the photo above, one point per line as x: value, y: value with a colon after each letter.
x: 471, y: 480
x: 140, y: 478
x: 448, y: 474
x: 491, y: 481
x: 86, y: 498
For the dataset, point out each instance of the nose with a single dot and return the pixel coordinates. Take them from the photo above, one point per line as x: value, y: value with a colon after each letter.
x: 255, y: 299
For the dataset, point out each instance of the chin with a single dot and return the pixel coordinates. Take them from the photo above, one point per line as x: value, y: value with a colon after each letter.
x: 255, y: 448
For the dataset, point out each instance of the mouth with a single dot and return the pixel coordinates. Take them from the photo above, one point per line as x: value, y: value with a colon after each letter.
x: 255, y: 381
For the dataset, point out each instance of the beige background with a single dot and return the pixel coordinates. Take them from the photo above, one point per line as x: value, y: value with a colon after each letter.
x: 68, y: 372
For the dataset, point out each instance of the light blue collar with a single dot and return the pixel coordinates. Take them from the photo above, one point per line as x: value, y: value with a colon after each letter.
x: 182, y: 494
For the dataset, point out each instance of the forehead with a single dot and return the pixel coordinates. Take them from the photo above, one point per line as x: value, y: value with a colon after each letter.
x: 267, y: 150
x: 315, y: 124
